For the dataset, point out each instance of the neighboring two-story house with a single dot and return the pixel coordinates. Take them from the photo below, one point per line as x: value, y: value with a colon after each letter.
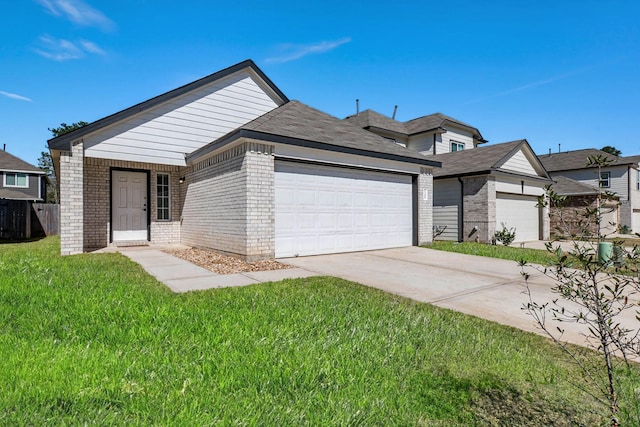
x: 478, y: 189
x: 429, y: 135
x: 20, y: 185
x: 20, y: 180
x: 621, y: 176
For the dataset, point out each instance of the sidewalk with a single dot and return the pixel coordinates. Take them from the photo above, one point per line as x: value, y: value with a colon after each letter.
x: 182, y: 276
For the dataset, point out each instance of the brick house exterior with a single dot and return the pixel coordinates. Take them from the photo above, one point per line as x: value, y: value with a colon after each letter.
x: 147, y: 176
x: 478, y: 187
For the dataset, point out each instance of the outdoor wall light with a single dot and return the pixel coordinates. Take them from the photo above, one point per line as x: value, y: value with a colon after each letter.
x: 181, y: 180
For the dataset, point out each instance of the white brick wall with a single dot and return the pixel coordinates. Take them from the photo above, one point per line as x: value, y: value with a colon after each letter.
x: 71, y: 201
x: 229, y: 200
x: 425, y: 206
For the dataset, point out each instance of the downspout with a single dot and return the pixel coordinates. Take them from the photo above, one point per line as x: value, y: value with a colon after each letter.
x: 434, y: 144
x: 461, y: 212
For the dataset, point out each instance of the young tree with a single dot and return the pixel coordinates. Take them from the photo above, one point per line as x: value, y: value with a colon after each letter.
x: 595, y: 292
x: 45, y: 162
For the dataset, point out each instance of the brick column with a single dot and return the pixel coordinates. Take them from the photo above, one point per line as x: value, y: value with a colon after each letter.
x: 72, y: 200
x: 479, y: 201
x: 260, y: 175
x: 425, y: 206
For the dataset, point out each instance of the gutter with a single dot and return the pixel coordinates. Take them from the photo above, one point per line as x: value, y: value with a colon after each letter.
x: 461, y: 212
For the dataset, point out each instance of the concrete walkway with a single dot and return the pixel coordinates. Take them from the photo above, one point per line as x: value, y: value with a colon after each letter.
x: 182, y: 276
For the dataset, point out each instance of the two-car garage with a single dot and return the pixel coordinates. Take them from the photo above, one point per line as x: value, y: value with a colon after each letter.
x: 322, y: 209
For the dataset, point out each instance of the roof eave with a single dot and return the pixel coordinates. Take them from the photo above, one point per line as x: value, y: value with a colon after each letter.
x: 268, y: 137
x: 63, y: 142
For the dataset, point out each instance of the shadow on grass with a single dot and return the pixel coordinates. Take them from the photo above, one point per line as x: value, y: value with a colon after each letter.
x: 15, y: 241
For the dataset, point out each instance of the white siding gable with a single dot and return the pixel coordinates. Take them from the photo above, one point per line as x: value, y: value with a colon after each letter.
x: 520, y: 163
x: 443, y: 141
x: 165, y: 133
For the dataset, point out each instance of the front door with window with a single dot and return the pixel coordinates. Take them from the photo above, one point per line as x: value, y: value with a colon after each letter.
x: 129, y: 205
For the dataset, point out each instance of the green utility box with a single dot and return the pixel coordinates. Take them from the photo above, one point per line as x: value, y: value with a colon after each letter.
x: 605, y: 252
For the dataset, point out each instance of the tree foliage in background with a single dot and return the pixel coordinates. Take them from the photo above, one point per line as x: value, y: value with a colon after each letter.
x: 595, y: 291
x: 611, y: 150
x: 45, y: 162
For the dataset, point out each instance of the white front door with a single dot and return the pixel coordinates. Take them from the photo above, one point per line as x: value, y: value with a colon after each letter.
x: 129, y: 205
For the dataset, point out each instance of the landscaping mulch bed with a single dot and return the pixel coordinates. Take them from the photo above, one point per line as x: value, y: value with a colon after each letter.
x: 223, y: 264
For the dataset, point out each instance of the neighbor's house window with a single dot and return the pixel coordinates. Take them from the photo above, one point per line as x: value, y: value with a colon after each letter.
x: 605, y: 179
x: 638, y: 179
x: 457, y: 146
x: 163, y: 197
x: 14, y: 179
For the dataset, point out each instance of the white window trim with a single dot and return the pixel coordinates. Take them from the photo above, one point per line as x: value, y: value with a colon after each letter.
x: 16, y: 185
x: 602, y: 180
x: 168, y: 197
x: 457, y: 144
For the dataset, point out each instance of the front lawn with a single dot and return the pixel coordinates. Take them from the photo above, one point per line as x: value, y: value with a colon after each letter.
x: 531, y: 256
x: 93, y: 339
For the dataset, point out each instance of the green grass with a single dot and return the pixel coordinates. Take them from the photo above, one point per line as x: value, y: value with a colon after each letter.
x: 93, y: 339
x: 532, y: 256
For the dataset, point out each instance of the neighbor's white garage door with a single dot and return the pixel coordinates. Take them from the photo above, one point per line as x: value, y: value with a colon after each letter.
x: 520, y: 212
x: 323, y: 209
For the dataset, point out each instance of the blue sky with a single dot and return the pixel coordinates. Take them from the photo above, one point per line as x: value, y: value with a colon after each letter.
x: 553, y: 72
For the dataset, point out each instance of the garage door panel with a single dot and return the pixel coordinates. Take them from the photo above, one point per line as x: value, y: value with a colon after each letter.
x: 519, y: 212
x: 352, y: 209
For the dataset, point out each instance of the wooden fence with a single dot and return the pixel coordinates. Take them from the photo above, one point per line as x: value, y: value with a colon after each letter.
x: 21, y: 219
x: 48, y: 215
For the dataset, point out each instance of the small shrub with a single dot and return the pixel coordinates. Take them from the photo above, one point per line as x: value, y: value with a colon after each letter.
x: 506, y: 236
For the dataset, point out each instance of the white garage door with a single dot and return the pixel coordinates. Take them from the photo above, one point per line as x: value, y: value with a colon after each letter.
x: 520, y: 212
x: 322, y: 210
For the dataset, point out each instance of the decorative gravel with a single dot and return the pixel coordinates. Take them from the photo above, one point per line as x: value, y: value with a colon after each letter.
x: 223, y: 264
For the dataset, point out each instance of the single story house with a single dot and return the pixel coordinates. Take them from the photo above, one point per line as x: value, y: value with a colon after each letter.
x: 478, y: 188
x: 620, y: 176
x: 228, y: 162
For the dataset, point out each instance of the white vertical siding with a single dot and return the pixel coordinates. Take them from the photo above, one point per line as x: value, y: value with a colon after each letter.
x: 165, y: 133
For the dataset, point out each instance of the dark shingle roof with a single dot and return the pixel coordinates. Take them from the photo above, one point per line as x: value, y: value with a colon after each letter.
x: 432, y: 122
x: 632, y: 159
x: 568, y: 187
x: 11, y: 194
x: 295, y: 123
x: 370, y: 118
x: 9, y: 162
x: 474, y: 161
x: 577, y: 159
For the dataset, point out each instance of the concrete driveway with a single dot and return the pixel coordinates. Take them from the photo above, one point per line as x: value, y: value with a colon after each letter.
x: 484, y: 287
